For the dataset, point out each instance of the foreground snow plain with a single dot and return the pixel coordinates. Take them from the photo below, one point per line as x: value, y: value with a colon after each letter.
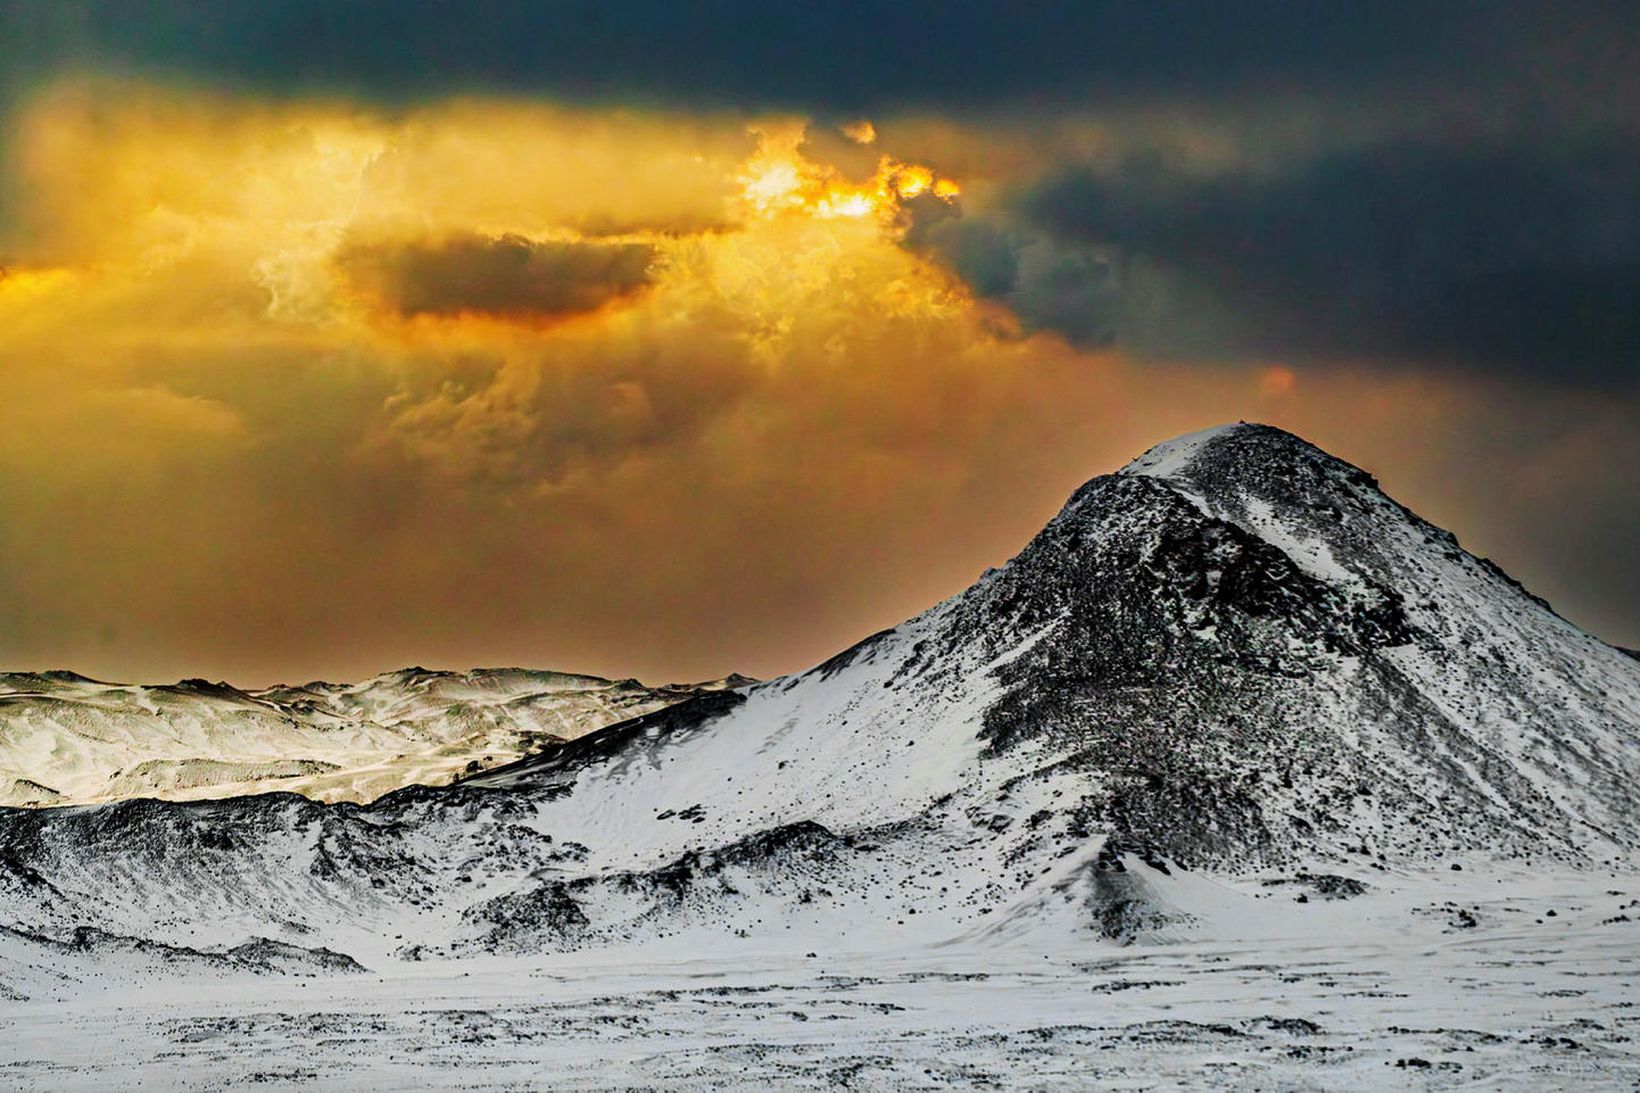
x: 1391, y: 989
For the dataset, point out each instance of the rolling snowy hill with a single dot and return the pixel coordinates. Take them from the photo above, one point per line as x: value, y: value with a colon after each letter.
x: 66, y: 739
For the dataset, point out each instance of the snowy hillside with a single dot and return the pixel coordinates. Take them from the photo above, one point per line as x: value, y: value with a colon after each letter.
x: 66, y: 739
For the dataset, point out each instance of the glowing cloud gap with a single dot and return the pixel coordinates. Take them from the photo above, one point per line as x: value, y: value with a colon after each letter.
x: 779, y: 179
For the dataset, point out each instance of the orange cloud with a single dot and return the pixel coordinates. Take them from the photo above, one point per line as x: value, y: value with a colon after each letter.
x: 1276, y: 381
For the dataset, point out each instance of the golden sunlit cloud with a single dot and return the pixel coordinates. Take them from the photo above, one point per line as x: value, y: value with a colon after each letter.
x: 860, y: 132
x: 779, y: 179
x: 279, y: 348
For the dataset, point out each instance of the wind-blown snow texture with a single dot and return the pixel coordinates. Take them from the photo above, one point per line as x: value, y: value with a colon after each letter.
x: 66, y: 739
x: 1233, y: 675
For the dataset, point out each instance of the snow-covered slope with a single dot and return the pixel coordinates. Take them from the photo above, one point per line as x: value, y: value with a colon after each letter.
x: 66, y: 739
x: 1232, y: 669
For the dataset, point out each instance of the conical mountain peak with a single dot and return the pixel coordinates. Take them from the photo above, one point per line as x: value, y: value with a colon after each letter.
x: 1329, y: 517
x: 1223, y: 466
x: 1245, y: 438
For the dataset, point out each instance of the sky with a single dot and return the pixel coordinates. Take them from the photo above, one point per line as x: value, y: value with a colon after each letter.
x: 661, y: 340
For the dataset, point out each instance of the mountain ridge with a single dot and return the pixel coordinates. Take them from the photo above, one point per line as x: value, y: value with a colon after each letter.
x: 1236, y: 658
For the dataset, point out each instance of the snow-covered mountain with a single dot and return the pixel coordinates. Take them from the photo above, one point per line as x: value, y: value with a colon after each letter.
x: 66, y: 739
x: 1235, y: 657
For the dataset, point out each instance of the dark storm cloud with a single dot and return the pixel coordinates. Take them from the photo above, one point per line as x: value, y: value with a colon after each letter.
x: 844, y: 56
x: 507, y: 276
x: 1516, y: 258
x: 1050, y: 284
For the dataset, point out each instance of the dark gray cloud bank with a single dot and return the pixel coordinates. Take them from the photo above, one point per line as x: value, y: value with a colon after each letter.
x: 1480, y: 256
x: 845, y: 56
x: 503, y: 275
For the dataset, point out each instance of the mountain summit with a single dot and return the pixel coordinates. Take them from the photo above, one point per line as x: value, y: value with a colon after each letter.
x: 1263, y: 656
x: 1235, y: 657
